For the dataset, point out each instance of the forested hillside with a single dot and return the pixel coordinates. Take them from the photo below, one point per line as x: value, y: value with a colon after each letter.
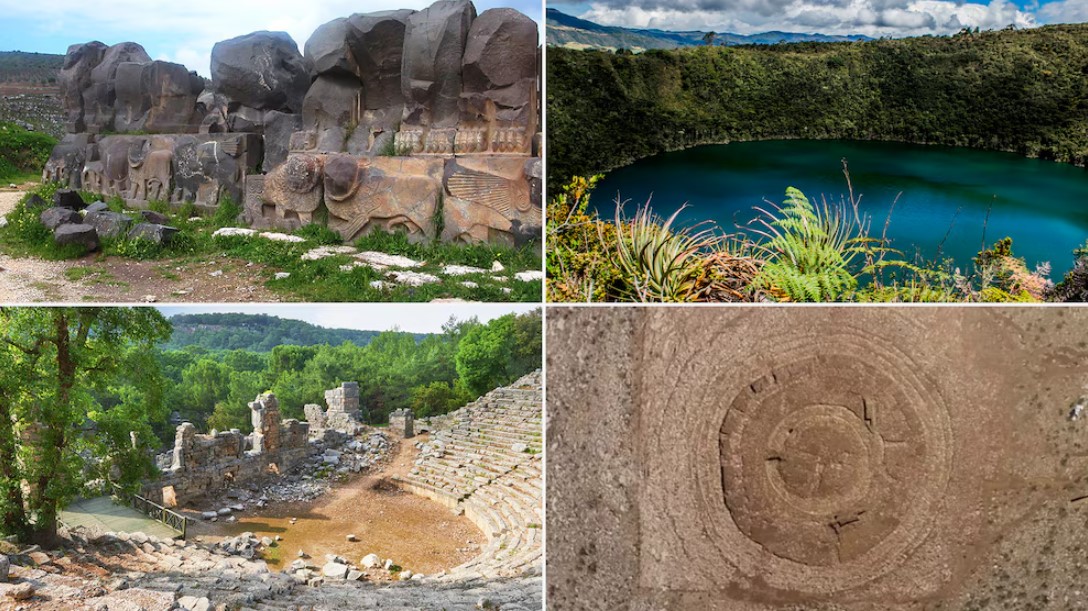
x: 1020, y: 91
x: 40, y: 69
x: 256, y: 332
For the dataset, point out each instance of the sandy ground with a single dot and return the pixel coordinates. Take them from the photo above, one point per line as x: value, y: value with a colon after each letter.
x: 416, y: 533
x: 95, y: 278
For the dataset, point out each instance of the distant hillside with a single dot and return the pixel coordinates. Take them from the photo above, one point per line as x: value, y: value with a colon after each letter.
x: 32, y: 69
x: 29, y: 93
x: 256, y: 332
x: 567, y: 31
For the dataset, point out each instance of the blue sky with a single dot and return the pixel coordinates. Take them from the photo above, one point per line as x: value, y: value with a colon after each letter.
x: 411, y: 317
x: 870, y: 17
x: 185, y: 31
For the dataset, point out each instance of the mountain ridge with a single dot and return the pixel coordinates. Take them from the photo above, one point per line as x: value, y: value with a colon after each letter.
x: 569, y: 31
x: 257, y: 332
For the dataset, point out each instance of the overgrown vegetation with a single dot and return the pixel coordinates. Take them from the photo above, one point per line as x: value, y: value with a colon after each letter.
x: 796, y: 251
x: 1020, y: 91
x: 323, y: 280
x: 86, y: 394
x: 23, y: 153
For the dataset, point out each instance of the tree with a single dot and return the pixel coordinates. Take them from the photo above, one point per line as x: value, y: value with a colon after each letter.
x: 708, y: 38
x: 61, y: 358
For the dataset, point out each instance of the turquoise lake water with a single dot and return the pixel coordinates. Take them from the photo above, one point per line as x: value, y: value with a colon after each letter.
x: 1042, y: 205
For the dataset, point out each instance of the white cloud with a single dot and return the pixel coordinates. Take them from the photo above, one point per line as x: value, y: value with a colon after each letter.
x: 870, y: 17
x: 1064, y: 11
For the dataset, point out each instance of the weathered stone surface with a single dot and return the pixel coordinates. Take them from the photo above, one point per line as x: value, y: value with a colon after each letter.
x: 55, y: 217
x: 244, y: 119
x: 949, y: 461
x: 292, y: 193
x: 335, y: 570
x: 377, y: 43
x: 490, y: 199
x: 109, y: 224
x: 96, y: 207
x: 370, y: 561
x: 157, y: 97
x: 76, y: 233
x: 207, y: 168
x: 387, y: 193
x: 74, y: 78
x: 500, y: 68
x: 263, y: 70
x: 68, y: 198
x: 65, y: 164
x: 153, y: 232
x: 155, y: 218
x: 334, y: 100
x: 278, y: 127
x: 5, y: 567
x: 328, y: 51
x: 431, y: 67
x: 151, y: 171
x: 101, y: 96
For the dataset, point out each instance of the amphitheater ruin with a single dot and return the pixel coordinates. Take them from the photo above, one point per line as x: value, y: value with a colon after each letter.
x: 422, y: 121
x: 817, y: 458
x: 481, y: 462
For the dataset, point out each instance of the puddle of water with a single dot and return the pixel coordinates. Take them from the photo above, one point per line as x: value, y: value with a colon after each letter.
x: 416, y: 533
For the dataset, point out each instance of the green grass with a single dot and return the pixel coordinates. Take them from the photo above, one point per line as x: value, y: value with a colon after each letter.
x: 23, y: 153
x: 320, y: 280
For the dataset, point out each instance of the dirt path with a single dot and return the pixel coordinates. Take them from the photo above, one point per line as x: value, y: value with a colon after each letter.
x: 96, y: 278
x: 416, y: 533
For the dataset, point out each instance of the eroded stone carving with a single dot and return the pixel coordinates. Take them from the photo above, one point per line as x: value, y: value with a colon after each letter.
x: 387, y: 193
x: 490, y: 199
x: 290, y: 194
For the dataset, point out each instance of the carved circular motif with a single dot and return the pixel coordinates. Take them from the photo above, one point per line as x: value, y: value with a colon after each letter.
x: 830, y: 468
x: 301, y: 173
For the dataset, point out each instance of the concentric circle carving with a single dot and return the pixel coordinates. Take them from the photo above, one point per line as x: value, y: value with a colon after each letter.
x: 829, y: 470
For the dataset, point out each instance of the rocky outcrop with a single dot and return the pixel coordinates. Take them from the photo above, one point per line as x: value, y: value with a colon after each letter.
x: 262, y: 70
x: 401, y: 102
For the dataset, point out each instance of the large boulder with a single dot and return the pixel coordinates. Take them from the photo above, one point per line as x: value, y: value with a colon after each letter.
x: 333, y: 101
x: 109, y: 224
x: 262, y: 70
x: 158, y: 97
x: 328, y: 49
x: 68, y: 198
x: 74, y: 78
x: 377, y: 44
x: 500, y: 65
x: 152, y: 232
x: 100, y: 98
x: 76, y: 233
x: 278, y: 127
x: 434, y: 44
x: 55, y: 217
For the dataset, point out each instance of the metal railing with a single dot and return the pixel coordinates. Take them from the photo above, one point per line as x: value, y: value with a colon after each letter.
x: 156, y: 512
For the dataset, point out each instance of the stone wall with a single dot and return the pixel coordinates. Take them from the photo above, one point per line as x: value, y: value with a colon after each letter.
x: 202, y: 464
x: 385, y: 121
x: 402, y: 421
x: 344, y: 414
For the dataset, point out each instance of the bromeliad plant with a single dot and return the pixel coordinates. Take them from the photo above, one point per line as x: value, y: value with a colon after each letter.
x: 658, y: 262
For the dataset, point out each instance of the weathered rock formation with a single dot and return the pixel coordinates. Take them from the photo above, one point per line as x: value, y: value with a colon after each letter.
x: 343, y: 415
x: 393, y: 120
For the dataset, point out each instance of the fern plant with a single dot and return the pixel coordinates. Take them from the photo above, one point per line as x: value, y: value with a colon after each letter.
x: 659, y: 263
x: 808, y: 250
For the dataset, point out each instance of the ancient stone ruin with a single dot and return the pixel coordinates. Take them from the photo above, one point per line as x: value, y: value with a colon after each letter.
x: 402, y: 421
x: 343, y: 414
x: 201, y: 464
x: 395, y: 120
x: 484, y: 460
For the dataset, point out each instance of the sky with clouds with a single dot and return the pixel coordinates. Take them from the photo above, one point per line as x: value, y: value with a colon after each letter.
x: 410, y: 317
x: 874, y: 18
x: 185, y: 31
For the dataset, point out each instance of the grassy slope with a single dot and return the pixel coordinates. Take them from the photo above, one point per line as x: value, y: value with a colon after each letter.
x: 22, y: 153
